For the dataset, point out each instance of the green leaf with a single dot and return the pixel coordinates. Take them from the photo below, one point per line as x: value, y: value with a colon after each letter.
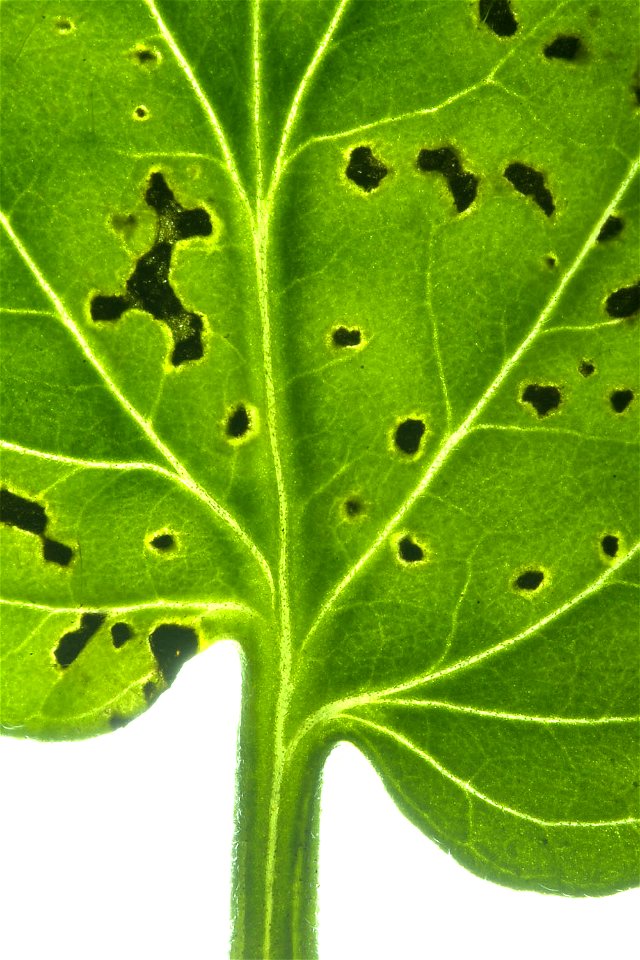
x: 319, y: 331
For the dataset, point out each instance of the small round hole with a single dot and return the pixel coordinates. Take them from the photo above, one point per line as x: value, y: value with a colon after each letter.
x: 63, y: 25
x: 141, y: 113
x: 529, y: 580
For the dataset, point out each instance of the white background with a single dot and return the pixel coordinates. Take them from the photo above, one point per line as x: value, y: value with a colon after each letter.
x: 119, y: 848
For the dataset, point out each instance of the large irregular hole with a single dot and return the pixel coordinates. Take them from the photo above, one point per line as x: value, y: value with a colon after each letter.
x: 27, y: 515
x: 149, y: 286
x: 172, y: 644
x: 462, y: 184
x: 610, y: 545
x: 498, y: 16
x: 612, y: 226
x: 564, y: 47
x: 620, y: 400
x: 624, y: 302
x: 531, y: 183
x: 346, y: 337
x: 365, y: 170
x: 587, y: 368
x: 543, y: 397
x: 71, y: 645
x: 409, y: 434
x: 120, y: 634
x: 409, y: 551
x: 529, y: 580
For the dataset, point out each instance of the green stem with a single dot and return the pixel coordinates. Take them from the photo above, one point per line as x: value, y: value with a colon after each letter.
x: 275, y: 870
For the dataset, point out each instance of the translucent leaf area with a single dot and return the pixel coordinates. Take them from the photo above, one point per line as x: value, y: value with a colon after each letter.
x: 319, y: 331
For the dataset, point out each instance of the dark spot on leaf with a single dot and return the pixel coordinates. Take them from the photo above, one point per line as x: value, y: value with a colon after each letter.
x: 145, y: 55
x: 620, y: 400
x: 141, y: 112
x: 463, y: 185
x: 587, y: 368
x: 531, y: 183
x: 345, y: 337
x: 19, y: 512
x: 116, y: 721
x: 409, y: 551
x: 63, y: 25
x: 409, y: 434
x: 610, y: 545
x: 551, y: 262
x: 624, y: 302
x: 121, y: 221
x: 163, y: 541
x: 529, y: 580
x: 171, y: 645
x: 71, y: 645
x: 365, y: 170
x: 610, y: 228
x: 120, y: 633
x: 543, y: 398
x: 353, y: 507
x: 27, y: 515
x: 56, y: 552
x: 150, y: 692
x: 238, y: 422
x: 149, y: 286
x: 498, y: 16
x: 564, y: 47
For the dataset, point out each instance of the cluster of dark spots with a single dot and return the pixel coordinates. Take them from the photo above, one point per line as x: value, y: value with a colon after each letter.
x: 544, y: 398
x: 620, y: 400
x: 564, y: 47
x: 120, y: 634
x: 498, y: 16
x: 172, y: 644
x: 409, y: 551
x: 141, y: 113
x: 346, y: 337
x: 238, y: 423
x: 71, y: 645
x: 462, y: 184
x: 163, y: 542
x: 624, y: 302
x: 610, y: 228
x: 587, y: 368
x: 408, y: 435
x: 530, y: 183
x: 365, y: 170
x: 27, y: 515
x: 149, y: 287
x: 353, y: 508
x: 610, y: 545
x: 529, y: 580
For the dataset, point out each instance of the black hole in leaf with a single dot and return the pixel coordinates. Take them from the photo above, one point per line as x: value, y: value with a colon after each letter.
x: 238, y: 422
x: 71, y: 645
x: 610, y: 545
x: 624, y: 302
x: 56, y: 552
x: 543, y: 398
x: 120, y: 633
x: 530, y: 183
x: 409, y: 551
x: 564, y: 47
x: 408, y: 435
x: 551, y: 262
x: 141, y: 112
x: 498, y: 16
x: 345, y: 337
x: 116, y: 721
x: 365, y: 170
x: 149, y: 287
x: 163, y: 541
x: 610, y: 228
x: 463, y: 185
x: 18, y: 512
x: 145, y: 55
x: 353, y: 507
x: 171, y: 645
x: 587, y: 368
x: 529, y: 580
x: 620, y: 400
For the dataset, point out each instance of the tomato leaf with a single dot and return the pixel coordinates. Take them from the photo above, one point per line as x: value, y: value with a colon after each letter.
x: 320, y: 331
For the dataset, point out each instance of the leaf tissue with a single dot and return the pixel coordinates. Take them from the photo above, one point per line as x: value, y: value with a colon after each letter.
x: 319, y: 331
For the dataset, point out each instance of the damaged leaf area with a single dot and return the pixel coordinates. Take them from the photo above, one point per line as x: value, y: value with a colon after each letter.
x: 314, y: 341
